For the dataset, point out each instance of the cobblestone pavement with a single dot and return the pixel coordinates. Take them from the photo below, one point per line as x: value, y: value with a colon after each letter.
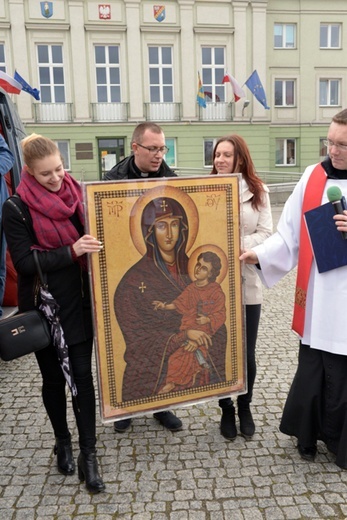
x: 152, y: 474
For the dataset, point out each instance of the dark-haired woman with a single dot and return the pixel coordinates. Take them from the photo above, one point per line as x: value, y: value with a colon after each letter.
x: 231, y: 155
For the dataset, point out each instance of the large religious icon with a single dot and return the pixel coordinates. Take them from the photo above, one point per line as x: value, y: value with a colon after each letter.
x: 167, y: 292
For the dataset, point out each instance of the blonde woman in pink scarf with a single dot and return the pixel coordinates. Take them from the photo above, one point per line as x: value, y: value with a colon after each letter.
x: 50, y: 220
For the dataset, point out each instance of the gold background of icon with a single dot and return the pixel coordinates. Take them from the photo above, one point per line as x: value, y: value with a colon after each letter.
x: 113, y: 215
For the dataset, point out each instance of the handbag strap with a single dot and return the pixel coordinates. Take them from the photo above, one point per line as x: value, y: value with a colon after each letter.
x: 39, y: 270
x: 24, y: 212
x: 17, y: 202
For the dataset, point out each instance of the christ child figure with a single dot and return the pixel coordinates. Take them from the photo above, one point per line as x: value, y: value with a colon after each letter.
x: 202, y: 305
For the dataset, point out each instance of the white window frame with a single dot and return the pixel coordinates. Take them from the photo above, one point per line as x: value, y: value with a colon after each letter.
x: 108, y: 66
x: 64, y: 148
x: 171, y: 143
x: 162, y: 68
x: 209, y: 141
x: 285, y: 44
x: 329, y: 92
x: 51, y: 65
x: 329, y: 36
x: 323, y: 149
x: 287, y: 144
x: 212, y: 70
x: 3, y: 63
x: 285, y: 85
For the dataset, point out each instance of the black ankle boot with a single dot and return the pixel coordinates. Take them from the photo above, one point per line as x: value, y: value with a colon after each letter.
x: 247, y: 426
x: 88, y: 471
x: 65, y: 460
x: 227, y: 423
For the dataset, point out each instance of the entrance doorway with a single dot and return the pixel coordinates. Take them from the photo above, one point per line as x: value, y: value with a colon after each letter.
x: 110, y: 151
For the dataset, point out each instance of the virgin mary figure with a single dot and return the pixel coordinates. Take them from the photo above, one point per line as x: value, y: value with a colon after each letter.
x: 150, y: 336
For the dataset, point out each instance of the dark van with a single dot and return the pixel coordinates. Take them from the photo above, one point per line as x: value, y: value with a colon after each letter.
x: 13, y: 131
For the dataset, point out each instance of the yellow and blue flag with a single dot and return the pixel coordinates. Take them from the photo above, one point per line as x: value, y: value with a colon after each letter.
x: 200, y: 97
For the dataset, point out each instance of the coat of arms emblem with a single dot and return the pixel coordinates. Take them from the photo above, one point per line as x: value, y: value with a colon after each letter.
x: 46, y: 9
x: 104, y: 11
x: 159, y: 12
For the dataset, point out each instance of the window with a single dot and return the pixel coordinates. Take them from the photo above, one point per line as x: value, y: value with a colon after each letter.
x: 170, y: 157
x: 160, y: 74
x: 213, y: 63
x: 284, y: 92
x: 2, y: 58
x: 208, y: 151
x: 51, y: 73
x: 107, y: 74
x: 285, y: 152
x: 64, y: 149
x: 329, y: 92
x: 330, y: 36
x: 323, y: 150
x: 284, y: 36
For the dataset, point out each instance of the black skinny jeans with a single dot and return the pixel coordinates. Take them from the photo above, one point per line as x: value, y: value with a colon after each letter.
x: 54, y: 392
x: 252, y: 325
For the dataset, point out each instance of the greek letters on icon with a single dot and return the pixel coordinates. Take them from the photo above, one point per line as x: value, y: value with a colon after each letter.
x: 115, y: 208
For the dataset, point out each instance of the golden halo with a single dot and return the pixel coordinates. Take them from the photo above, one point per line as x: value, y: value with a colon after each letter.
x: 163, y: 191
x: 203, y: 249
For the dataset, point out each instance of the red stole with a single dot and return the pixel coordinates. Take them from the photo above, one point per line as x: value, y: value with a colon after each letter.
x: 312, y: 198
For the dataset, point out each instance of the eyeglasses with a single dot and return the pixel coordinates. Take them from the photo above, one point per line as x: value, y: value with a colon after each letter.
x: 153, y: 150
x: 339, y: 146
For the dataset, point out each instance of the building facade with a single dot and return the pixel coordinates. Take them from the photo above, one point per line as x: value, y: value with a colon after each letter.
x: 101, y: 68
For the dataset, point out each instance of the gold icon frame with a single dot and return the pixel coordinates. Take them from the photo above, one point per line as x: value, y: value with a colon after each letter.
x: 113, y: 213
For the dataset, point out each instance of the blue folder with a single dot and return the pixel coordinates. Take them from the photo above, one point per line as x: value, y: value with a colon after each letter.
x: 328, y: 245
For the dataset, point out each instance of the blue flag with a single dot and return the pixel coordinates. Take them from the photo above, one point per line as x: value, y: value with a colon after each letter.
x: 255, y: 86
x: 26, y: 87
x: 200, y: 97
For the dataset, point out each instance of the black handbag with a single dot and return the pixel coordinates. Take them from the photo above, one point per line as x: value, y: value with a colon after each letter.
x: 23, y: 334
x: 26, y: 332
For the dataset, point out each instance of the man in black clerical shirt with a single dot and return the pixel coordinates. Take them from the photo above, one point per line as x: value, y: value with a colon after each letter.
x: 146, y: 161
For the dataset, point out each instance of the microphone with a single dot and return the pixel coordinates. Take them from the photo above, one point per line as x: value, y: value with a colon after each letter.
x: 339, y: 202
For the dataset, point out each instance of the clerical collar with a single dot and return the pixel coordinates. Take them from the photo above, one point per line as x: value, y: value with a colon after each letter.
x: 144, y: 175
x: 333, y: 173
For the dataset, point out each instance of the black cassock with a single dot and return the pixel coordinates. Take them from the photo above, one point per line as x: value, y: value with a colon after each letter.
x: 316, y: 406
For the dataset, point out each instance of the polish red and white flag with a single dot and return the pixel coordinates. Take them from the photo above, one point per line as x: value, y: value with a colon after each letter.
x: 9, y: 84
x: 238, y: 92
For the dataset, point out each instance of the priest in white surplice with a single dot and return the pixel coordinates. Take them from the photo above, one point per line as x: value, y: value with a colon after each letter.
x: 316, y: 407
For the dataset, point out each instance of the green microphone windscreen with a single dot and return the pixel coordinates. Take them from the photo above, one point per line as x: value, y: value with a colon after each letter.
x: 334, y: 193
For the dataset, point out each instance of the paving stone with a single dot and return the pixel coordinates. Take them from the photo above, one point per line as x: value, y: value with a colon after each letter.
x: 153, y: 474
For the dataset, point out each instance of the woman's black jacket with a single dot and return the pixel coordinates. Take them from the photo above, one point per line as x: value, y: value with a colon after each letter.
x: 66, y: 281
